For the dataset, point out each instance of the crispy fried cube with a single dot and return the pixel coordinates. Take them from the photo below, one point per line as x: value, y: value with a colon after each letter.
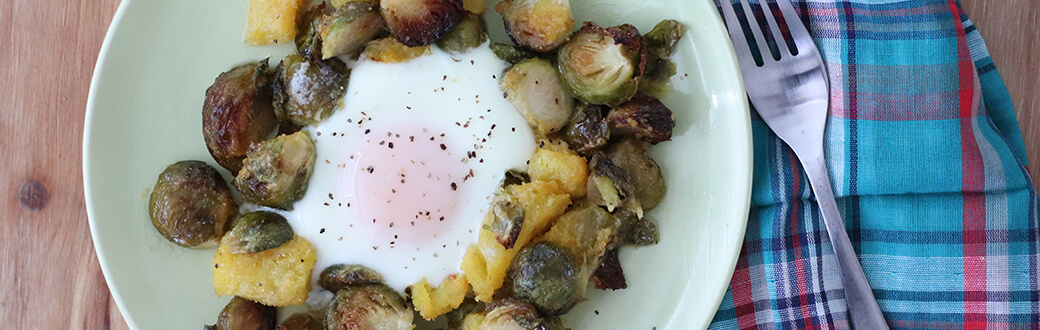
x: 389, y: 50
x: 275, y: 277
x: 272, y: 21
x: 434, y: 302
x: 553, y: 161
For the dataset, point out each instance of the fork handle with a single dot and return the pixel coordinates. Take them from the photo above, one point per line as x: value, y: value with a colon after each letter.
x: 863, y: 307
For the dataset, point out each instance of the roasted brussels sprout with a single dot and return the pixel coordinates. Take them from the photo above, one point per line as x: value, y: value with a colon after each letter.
x: 644, y: 117
x: 469, y: 33
x: 277, y: 171
x: 609, y: 276
x: 540, y: 25
x: 587, y: 129
x: 338, y: 276
x: 191, y: 205
x: 510, y: 313
x: 306, y: 91
x: 420, y: 22
x: 635, y: 231
x: 258, y: 231
x: 534, y: 88
x: 547, y: 276
x: 602, y: 66
x: 610, y: 185
x: 659, y: 68
x: 245, y: 314
x: 308, y: 40
x: 507, y: 217
x: 346, y: 30
x: 301, y: 321
x: 630, y: 154
x: 372, y: 306
x: 510, y: 53
x: 238, y: 112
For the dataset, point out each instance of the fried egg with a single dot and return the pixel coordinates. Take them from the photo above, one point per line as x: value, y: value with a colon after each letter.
x: 406, y: 168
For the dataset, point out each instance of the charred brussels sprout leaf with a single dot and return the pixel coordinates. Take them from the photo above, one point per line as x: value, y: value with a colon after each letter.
x: 258, y: 231
x: 277, y: 171
x: 610, y: 185
x: 346, y: 30
x: 602, y: 66
x: 587, y: 129
x: 301, y: 321
x: 635, y: 230
x: 470, y: 33
x: 243, y: 313
x: 510, y: 54
x: 306, y: 91
x: 308, y: 40
x: 659, y: 68
x: 339, y: 276
x: 547, y: 276
x: 237, y: 112
x: 191, y: 205
x: 630, y: 154
x: 539, y: 25
x: 534, y: 88
x: 661, y: 40
x: 373, y: 306
x: 420, y: 22
x: 507, y: 218
x: 643, y: 117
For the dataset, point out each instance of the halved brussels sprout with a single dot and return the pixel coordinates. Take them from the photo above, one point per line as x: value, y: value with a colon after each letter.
x: 191, y: 205
x: 659, y: 68
x: 644, y: 117
x: 308, y: 41
x: 534, y: 88
x: 339, y: 276
x: 258, y: 231
x: 277, y: 171
x: 510, y: 53
x: 372, y: 306
x: 301, y: 321
x: 238, y: 112
x: 469, y: 33
x: 547, y: 276
x: 587, y: 130
x: 661, y: 40
x: 510, y: 313
x: 306, y: 91
x: 540, y: 25
x: 630, y: 154
x: 346, y: 30
x: 420, y: 22
x: 241, y: 313
x: 611, y: 186
x: 507, y: 217
x: 602, y: 66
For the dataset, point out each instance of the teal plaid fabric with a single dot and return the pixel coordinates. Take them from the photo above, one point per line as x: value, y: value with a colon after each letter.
x: 929, y: 168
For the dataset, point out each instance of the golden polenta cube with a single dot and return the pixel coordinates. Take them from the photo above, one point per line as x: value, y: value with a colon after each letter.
x: 277, y: 277
x: 272, y: 21
x: 434, y: 302
x: 389, y: 50
x: 553, y: 161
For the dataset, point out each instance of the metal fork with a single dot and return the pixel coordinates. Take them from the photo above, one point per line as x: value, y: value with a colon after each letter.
x: 791, y: 95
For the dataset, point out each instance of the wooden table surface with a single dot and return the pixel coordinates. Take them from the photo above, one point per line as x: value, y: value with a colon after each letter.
x: 49, y: 275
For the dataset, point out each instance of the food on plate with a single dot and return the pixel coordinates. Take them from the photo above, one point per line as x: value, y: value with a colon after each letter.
x: 238, y: 112
x: 603, y: 66
x: 554, y: 161
x: 276, y: 277
x: 547, y: 276
x: 242, y: 313
x: 258, y: 231
x: 369, y: 306
x: 338, y: 276
x: 347, y: 29
x: 272, y: 21
x: 539, y: 25
x: 630, y: 155
x: 469, y: 33
x: 338, y: 3
x: 533, y: 86
x: 276, y: 172
x: 432, y: 302
x: 191, y: 205
x: 644, y: 117
x: 659, y: 67
x: 302, y: 321
x: 587, y: 129
x: 420, y: 22
x: 509, y: 313
x: 389, y: 50
x: 511, y: 53
x: 306, y: 90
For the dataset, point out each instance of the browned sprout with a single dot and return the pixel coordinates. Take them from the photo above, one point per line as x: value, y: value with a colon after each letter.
x: 339, y: 276
x: 507, y: 218
x: 258, y: 231
x: 539, y: 25
x: 602, y: 66
x: 372, y: 306
x: 534, y: 88
x: 420, y: 22
x: 301, y: 321
x: 510, y: 53
x: 469, y: 33
x: 237, y: 112
x: 191, y: 205
x: 634, y: 230
x: 347, y: 29
x: 609, y: 276
x: 611, y: 186
x: 241, y: 313
x: 308, y: 40
x: 587, y: 129
x: 510, y: 313
x: 307, y: 91
x: 277, y: 171
x: 547, y: 276
x: 643, y: 117
x: 659, y: 68
x: 630, y: 154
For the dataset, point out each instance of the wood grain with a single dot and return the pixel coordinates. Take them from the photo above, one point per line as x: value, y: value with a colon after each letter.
x: 49, y: 275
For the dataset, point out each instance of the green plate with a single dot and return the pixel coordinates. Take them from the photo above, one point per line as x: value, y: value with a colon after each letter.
x: 144, y: 112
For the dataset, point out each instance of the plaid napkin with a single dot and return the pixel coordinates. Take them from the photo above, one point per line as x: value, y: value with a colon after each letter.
x: 929, y: 168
